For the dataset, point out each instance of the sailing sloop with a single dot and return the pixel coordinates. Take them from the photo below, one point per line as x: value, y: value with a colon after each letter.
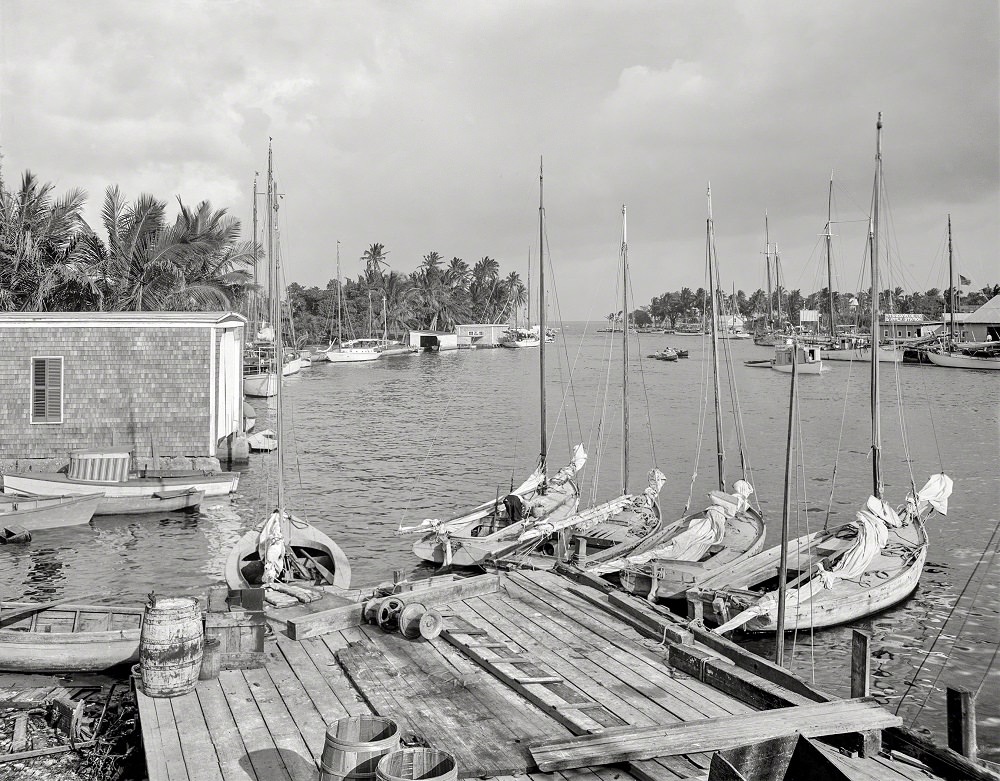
x: 469, y: 539
x: 673, y: 557
x: 837, y: 575
x: 294, y: 561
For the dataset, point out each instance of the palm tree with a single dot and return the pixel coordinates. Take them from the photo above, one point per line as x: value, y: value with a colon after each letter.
x: 374, y: 258
x: 41, y: 248
x: 512, y: 293
x: 484, y: 289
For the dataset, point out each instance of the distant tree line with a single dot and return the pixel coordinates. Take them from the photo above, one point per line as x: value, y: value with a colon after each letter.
x: 687, y: 305
x: 51, y: 259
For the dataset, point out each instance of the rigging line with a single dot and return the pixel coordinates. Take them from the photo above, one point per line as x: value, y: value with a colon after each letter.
x: 840, y: 441
x: 947, y: 656
x: 989, y: 667
x: 913, y: 681
x: 702, y: 418
x: 645, y: 388
x: 805, y: 502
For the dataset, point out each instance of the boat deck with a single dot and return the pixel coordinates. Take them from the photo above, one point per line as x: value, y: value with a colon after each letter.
x: 532, y: 661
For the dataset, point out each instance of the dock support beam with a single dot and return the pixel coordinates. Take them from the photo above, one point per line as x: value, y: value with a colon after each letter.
x: 962, y: 722
x: 861, y: 664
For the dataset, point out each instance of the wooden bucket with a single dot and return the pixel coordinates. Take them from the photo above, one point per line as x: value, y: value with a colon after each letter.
x: 355, y: 745
x: 411, y: 764
x: 170, y: 646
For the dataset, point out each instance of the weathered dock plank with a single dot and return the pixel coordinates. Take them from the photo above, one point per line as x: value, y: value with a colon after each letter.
x: 221, y: 726
x: 152, y: 740
x: 170, y: 742
x: 262, y: 753
x: 197, y: 745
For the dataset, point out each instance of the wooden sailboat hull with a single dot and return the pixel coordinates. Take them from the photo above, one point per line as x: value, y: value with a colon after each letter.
x: 34, y: 512
x: 815, y: 367
x: 889, y: 580
x: 139, y: 491
x: 353, y: 356
x: 172, y: 501
x: 69, y: 638
x: 671, y: 579
x: 243, y: 567
x: 863, y: 354
x: 261, y: 386
x: 959, y: 361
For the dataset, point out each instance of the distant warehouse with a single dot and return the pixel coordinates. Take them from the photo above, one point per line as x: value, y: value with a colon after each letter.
x: 132, y: 380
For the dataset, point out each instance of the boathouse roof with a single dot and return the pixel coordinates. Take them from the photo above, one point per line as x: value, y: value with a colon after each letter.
x: 988, y: 313
x: 118, y: 319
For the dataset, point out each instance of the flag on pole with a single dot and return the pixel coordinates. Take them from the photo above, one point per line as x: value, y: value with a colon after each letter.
x: 964, y: 280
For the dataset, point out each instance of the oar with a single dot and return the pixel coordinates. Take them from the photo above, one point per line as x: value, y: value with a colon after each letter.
x: 9, y: 616
x: 326, y: 573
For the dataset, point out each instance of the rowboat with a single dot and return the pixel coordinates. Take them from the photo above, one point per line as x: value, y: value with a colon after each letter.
x: 33, y: 512
x: 93, y: 471
x: 979, y: 355
x: 67, y: 638
x: 183, y: 500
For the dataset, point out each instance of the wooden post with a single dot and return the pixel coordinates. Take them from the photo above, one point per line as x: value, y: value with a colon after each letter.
x: 398, y: 576
x: 962, y: 721
x: 581, y: 548
x: 861, y: 664
x: 561, y: 543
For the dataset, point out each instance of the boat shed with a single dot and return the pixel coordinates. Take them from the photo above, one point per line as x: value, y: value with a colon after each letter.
x: 433, y: 341
x: 984, y: 323
x: 482, y: 334
x: 168, y: 382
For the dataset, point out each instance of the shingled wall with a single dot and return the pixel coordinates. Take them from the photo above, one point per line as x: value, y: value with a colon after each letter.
x: 122, y: 387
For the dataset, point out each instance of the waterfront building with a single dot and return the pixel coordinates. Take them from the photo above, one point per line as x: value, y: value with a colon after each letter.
x: 163, y: 382
x: 481, y: 334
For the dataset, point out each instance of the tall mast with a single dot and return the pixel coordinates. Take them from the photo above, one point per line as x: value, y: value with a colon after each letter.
x: 528, y: 307
x: 624, y: 351
x: 543, y: 456
x: 779, y: 637
x: 951, y: 291
x: 873, y: 238
x: 275, y: 301
x: 256, y: 302
x: 770, y: 293
x: 712, y: 273
x: 777, y: 281
x: 340, y: 301
x: 829, y: 262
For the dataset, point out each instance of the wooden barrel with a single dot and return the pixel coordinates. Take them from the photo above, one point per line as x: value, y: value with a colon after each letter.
x: 409, y: 620
x: 355, y: 745
x: 411, y: 764
x: 170, y: 646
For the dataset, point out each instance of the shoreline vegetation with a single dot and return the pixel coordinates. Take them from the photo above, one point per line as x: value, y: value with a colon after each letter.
x: 51, y: 259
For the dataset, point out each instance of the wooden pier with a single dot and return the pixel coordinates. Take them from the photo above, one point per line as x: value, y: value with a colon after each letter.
x: 533, y: 671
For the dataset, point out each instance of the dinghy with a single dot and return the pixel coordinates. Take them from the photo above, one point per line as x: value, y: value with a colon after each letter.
x: 33, y: 512
x: 61, y: 638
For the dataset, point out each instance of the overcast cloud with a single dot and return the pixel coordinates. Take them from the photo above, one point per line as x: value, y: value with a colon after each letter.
x: 419, y: 125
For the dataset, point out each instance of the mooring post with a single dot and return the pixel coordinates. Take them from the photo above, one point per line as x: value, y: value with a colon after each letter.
x: 962, y: 721
x: 861, y: 664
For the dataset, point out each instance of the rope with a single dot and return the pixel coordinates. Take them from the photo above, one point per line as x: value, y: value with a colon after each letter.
x: 913, y: 682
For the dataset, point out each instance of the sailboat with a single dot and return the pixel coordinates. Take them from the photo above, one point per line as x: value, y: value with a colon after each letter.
x: 771, y: 334
x: 962, y: 355
x: 851, y: 346
x: 517, y: 337
x: 467, y: 540
x: 260, y: 376
x: 678, y: 555
x: 611, y: 529
x: 840, y: 574
x: 294, y: 561
x: 354, y: 350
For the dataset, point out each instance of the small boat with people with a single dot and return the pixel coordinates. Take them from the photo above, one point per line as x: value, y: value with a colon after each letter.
x: 666, y: 354
x: 515, y: 338
x: 806, y: 356
x: 56, y: 637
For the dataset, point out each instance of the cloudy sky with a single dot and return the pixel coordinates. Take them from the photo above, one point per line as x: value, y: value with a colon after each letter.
x: 419, y: 125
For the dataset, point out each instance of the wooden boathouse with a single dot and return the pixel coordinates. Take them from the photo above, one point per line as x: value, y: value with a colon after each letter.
x: 533, y: 673
x: 131, y: 380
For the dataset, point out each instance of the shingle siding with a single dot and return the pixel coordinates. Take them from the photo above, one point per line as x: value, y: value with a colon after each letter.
x: 125, y: 387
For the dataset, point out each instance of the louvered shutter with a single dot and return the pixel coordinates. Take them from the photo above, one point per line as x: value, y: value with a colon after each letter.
x: 46, y: 390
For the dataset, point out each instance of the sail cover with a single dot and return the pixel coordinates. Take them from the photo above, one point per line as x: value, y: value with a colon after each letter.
x: 271, y: 548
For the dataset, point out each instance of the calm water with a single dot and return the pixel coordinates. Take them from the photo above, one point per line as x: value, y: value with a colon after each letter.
x: 406, y: 438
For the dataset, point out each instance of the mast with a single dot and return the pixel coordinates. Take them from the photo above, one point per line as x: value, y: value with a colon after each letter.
x: 710, y: 251
x: 951, y: 291
x: 528, y: 307
x: 829, y: 262
x: 543, y: 456
x: 779, y: 637
x: 777, y: 281
x: 770, y: 293
x: 873, y: 239
x: 624, y: 352
x: 256, y: 308
x: 275, y: 301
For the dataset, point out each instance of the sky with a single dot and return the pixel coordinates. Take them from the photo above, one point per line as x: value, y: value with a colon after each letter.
x: 420, y: 126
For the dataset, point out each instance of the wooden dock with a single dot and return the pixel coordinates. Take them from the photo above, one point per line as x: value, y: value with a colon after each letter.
x: 515, y: 677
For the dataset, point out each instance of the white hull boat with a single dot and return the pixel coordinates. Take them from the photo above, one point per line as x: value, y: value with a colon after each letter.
x: 963, y: 360
x: 261, y: 386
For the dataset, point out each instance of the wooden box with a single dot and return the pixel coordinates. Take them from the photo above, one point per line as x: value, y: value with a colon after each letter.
x: 241, y: 638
